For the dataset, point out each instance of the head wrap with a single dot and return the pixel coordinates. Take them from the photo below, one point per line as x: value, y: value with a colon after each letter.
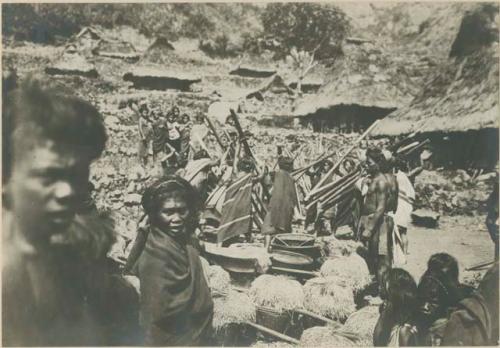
x: 285, y: 163
x: 155, y: 194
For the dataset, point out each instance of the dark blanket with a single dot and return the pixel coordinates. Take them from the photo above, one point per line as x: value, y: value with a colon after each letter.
x: 176, y: 305
x: 469, y: 324
x: 237, y: 209
x: 283, y: 200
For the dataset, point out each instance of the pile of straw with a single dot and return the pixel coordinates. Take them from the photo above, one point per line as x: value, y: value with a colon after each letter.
x: 219, y: 280
x: 278, y: 292
x: 363, y: 323
x: 330, y: 297
x: 352, y: 268
x: 275, y: 344
x: 235, y: 307
x: 333, y: 247
x: 324, y: 336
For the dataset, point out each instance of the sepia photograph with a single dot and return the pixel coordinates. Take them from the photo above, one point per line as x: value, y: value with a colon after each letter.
x: 267, y: 175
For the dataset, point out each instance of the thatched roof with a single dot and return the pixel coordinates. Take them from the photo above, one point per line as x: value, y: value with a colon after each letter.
x: 365, y: 77
x: 463, y: 96
x: 160, y: 79
x: 72, y: 64
x: 89, y: 32
x: 255, y: 66
x: 274, y: 84
x: 116, y: 49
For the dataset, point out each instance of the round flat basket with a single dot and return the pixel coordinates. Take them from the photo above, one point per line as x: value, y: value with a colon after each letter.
x: 293, y: 240
x: 289, y: 259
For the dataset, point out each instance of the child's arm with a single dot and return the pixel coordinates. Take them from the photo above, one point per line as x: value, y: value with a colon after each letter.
x: 137, y: 248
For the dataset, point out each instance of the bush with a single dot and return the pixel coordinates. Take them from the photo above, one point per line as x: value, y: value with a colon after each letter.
x: 306, y: 26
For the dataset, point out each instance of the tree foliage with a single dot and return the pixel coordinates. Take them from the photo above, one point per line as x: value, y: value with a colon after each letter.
x: 306, y: 26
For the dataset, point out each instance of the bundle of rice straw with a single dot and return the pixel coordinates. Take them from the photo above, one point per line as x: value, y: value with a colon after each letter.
x: 219, y: 279
x: 278, y: 292
x: 330, y: 297
x: 324, y: 336
x: 363, y: 323
x: 235, y: 307
x: 275, y: 344
x: 352, y: 268
x: 333, y: 247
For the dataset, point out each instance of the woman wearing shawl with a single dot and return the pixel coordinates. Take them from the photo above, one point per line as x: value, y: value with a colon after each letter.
x: 176, y: 306
x: 283, y: 201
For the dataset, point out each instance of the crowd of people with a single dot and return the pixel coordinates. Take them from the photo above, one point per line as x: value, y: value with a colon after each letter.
x: 60, y: 290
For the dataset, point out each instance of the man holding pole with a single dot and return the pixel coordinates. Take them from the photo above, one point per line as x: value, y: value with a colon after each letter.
x: 375, y: 225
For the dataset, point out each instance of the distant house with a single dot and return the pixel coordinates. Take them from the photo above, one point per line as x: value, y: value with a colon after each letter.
x: 363, y: 86
x: 118, y: 49
x: 159, y: 51
x: 87, y: 39
x: 458, y: 107
x: 160, y: 79
x: 255, y: 67
x: 72, y: 64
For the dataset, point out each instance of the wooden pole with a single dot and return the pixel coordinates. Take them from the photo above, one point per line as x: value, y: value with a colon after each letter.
x: 214, y: 131
x: 273, y: 333
x: 334, y: 168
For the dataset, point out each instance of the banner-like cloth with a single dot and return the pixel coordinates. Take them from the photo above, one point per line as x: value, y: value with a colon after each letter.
x: 237, y: 209
x: 283, y: 200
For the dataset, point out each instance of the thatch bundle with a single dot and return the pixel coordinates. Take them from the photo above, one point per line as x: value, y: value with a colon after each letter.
x: 333, y: 247
x: 235, y: 307
x: 329, y: 296
x: 219, y: 279
x: 352, y: 268
x: 363, y: 323
x: 275, y: 344
x: 324, y: 336
x: 277, y: 292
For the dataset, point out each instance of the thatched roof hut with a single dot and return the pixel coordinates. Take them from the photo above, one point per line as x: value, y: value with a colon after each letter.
x: 463, y: 95
x: 160, y: 51
x: 363, y: 86
x: 72, y: 64
x: 160, y: 79
x: 116, y: 49
x: 254, y: 66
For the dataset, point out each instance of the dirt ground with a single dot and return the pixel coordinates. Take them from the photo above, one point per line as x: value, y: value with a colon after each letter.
x: 464, y: 237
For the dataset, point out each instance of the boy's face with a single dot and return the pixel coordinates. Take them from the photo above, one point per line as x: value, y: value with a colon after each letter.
x: 46, y: 182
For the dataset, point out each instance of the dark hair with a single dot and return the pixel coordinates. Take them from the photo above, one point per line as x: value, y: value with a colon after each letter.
x: 50, y: 113
x: 246, y: 164
x: 443, y: 265
x: 376, y: 155
x: 429, y: 283
x: 155, y: 194
x: 402, y: 294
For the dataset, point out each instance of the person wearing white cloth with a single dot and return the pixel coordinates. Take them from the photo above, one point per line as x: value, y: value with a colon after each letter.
x: 406, y: 198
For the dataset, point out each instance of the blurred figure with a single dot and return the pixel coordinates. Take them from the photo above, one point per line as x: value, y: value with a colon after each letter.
x: 492, y: 218
x: 47, y: 265
x: 395, y: 326
x: 439, y: 293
